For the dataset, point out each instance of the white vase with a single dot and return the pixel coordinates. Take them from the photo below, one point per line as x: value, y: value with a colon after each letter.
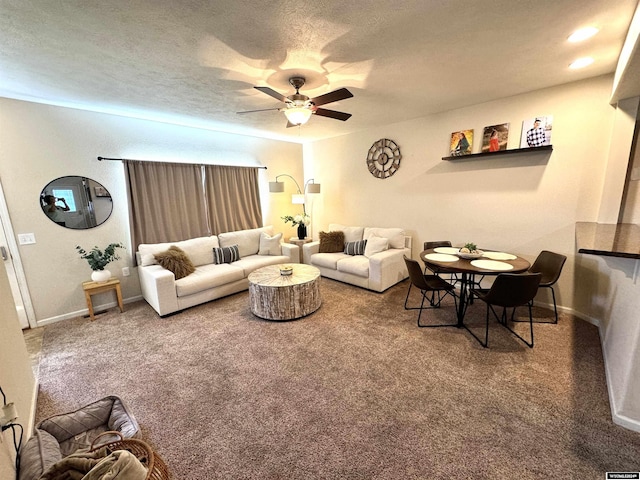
x: 100, y: 276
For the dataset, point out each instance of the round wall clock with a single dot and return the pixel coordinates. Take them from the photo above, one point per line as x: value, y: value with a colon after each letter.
x: 383, y: 159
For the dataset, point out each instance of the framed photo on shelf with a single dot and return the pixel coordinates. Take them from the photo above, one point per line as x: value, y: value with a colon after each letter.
x: 495, y: 137
x: 536, y: 131
x: 461, y: 143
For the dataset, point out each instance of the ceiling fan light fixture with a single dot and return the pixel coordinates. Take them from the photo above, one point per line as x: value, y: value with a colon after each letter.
x: 297, y: 115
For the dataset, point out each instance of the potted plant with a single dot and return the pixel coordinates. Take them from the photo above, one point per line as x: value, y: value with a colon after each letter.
x: 301, y: 221
x: 99, y: 259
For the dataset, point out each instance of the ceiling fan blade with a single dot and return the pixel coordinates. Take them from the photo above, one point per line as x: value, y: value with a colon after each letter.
x: 271, y: 92
x: 323, y: 112
x: 261, y: 110
x: 334, y: 96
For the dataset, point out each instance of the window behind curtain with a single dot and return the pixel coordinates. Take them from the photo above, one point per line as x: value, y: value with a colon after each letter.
x: 169, y: 202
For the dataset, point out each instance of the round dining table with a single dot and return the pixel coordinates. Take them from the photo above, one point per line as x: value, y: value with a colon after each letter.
x: 447, y: 260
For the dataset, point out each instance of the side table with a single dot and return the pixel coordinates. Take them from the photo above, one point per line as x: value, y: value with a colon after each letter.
x: 93, y: 288
x: 299, y: 243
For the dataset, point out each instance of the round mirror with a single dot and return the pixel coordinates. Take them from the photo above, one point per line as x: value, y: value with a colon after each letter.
x: 76, y: 202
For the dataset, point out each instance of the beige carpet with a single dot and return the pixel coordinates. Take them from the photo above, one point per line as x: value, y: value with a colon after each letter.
x: 355, y: 390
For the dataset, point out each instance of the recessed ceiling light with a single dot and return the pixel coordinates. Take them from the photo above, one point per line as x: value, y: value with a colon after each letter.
x: 583, y: 34
x: 581, y: 63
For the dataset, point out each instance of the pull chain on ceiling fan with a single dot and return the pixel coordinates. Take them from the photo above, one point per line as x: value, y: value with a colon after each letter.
x: 299, y: 108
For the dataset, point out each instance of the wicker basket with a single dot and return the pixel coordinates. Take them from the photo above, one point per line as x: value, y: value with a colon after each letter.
x: 143, y: 452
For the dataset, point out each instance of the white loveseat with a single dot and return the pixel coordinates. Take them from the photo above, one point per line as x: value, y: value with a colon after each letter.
x: 257, y: 248
x: 382, y: 268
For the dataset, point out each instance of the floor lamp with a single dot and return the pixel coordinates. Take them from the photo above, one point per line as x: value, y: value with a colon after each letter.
x: 297, y: 198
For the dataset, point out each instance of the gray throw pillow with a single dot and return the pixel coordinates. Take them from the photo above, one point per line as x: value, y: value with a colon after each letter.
x: 355, y: 248
x: 226, y: 254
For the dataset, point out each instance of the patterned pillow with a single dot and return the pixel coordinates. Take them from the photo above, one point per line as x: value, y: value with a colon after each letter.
x: 355, y: 248
x: 331, y: 242
x: 176, y: 261
x: 226, y: 254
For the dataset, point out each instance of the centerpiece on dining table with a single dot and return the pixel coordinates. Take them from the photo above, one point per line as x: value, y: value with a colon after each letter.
x: 470, y: 251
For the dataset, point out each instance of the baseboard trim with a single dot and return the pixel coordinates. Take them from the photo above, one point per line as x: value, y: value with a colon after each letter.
x: 85, y: 311
x: 617, y: 418
x: 31, y: 425
x: 626, y: 422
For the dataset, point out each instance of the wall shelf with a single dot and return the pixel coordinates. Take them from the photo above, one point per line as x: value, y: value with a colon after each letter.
x: 514, y: 151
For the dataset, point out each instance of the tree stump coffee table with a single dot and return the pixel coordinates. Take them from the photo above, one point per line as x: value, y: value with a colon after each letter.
x: 284, y: 297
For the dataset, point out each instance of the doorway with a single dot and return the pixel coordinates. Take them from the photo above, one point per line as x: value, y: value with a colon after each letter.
x: 10, y: 257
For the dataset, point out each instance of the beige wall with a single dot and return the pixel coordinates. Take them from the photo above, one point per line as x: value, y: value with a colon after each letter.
x: 520, y: 204
x: 39, y: 143
x: 16, y: 377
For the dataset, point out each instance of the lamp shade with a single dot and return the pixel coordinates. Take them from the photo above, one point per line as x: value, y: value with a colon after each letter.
x: 313, y: 188
x: 297, y: 115
x: 276, y: 187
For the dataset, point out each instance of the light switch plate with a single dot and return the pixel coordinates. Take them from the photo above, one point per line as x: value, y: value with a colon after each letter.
x: 26, y: 238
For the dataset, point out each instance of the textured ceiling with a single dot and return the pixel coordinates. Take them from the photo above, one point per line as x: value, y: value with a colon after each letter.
x: 195, y: 62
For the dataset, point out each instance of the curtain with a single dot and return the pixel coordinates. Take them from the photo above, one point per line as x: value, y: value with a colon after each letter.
x: 165, y: 202
x: 169, y: 202
x: 233, y: 198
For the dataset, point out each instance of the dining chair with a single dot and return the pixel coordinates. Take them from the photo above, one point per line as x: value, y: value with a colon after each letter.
x: 428, y: 284
x: 549, y: 264
x: 509, y: 290
x: 435, y: 244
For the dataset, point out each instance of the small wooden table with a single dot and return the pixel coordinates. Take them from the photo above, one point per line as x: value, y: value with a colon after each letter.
x: 284, y: 297
x: 93, y: 288
x: 300, y: 242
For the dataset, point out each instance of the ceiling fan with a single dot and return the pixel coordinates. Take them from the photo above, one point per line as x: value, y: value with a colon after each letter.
x: 299, y: 108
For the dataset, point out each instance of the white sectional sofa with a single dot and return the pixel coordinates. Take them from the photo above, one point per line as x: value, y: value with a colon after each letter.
x: 376, y: 270
x: 257, y: 248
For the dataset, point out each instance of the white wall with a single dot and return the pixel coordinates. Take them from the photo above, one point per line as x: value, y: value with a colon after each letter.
x: 39, y: 143
x: 521, y: 204
x: 16, y: 377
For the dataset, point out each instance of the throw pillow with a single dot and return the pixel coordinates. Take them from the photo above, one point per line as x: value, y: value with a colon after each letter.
x: 376, y: 245
x: 226, y: 254
x: 355, y: 248
x: 176, y: 261
x: 270, y: 245
x: 331, y: 242
x: 395, y: 235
